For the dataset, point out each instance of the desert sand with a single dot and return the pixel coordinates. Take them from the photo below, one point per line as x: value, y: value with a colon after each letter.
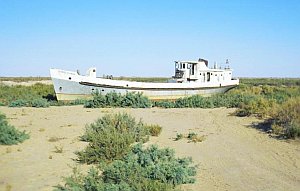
x: 233, y: 156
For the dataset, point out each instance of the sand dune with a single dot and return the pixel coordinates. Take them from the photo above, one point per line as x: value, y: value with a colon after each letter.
x: 233, y: 155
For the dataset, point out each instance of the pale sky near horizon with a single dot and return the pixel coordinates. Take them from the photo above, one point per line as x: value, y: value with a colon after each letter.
x: 261, y: 38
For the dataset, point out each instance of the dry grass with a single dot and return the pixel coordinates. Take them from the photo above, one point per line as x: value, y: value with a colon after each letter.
x: 55, y: 139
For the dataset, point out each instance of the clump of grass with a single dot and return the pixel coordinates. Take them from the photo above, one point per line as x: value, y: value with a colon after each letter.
x: 42, y: 129
x: 55, y: 139
x: 9, y: 135
x: 140, y: 169
x: 110, y: 137
x: 154, y: 130
x: 58, y: 149
x: 192, y: 137
x: 178, y: 137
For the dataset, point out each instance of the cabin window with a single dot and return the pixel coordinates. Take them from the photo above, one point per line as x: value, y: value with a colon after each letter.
x: 183, y: 66
x: 208, y: 76
x: 180, y: 65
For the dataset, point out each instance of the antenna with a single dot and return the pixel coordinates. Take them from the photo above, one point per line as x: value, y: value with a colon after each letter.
x: 227, y: 64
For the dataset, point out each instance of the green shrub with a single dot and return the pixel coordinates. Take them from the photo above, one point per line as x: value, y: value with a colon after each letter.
x: 164, y: 104
x: 39, y: 103
x: 113, y: 99
x: 9, y: 135
x: 18, y: 103
x: 98, y: 101
x: 179, y: 137
x: 135, y: 100
x: 139, y: 170
x: 110, y: 137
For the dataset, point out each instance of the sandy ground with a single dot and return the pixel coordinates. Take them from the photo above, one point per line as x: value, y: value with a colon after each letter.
x: 233, y: 155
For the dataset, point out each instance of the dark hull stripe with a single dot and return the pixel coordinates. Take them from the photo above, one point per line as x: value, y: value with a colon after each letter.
x: 153, y: 89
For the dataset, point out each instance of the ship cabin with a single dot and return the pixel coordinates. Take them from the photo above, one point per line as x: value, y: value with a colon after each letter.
x: 198, y: 71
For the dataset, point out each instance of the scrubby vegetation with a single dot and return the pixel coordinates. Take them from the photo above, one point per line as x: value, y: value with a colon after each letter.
x: 271, y: 81
x: 254, y: 96
x: 135, y: 100
x: 191, y: 137
x: 124, y: 165
x: 111, y: 136
x: 9, y: 135
x: 31, y: 96
x: 154, y: 130
x: 139, y: 170
x: 285, y: 119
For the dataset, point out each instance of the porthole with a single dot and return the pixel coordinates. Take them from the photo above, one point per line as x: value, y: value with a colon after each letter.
x: 93, y: 89
x: 70, y: 78
x: 102, y: 90
x: 60, y: 88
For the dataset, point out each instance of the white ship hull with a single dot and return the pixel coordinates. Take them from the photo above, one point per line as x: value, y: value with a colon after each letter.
x: 71, y: 86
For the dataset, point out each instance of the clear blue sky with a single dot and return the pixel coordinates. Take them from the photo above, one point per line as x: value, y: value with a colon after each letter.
x: 261, y: 38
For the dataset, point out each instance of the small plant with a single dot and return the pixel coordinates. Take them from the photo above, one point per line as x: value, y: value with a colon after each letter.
x: 179, y: 137
x: 154, y: 130
x: 58, y: 149
x: 55, y: 139
x: 9, y: 135
x: 192, y: 137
